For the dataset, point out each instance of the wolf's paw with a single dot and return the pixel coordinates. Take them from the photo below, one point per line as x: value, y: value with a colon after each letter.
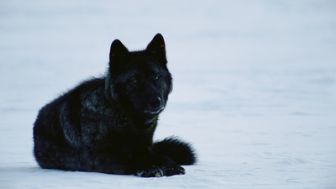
x: 176, y: 170
x: 161, y: 171
x: 151, y: 172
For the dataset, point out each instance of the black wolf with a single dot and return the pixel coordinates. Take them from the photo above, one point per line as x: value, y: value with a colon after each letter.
x: 107, y: 124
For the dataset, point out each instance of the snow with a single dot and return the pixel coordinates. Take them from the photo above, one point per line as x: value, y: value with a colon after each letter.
x: 254, y: 86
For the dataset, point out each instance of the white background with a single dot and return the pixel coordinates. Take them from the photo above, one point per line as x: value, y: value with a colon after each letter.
x: 254, y: 86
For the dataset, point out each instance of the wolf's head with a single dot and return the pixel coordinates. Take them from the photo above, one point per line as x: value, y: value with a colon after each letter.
x: 139, y: 80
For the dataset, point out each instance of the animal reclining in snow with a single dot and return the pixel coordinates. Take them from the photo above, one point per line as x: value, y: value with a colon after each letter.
x: 107, y: 124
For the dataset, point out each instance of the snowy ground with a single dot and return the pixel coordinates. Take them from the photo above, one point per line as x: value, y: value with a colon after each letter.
x: 254, y: 86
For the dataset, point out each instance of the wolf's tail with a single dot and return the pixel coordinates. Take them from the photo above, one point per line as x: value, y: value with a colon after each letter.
x: 179, y: 151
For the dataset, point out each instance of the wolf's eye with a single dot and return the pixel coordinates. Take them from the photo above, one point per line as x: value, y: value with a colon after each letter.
x: 156, y: 76
x: 134, y: 80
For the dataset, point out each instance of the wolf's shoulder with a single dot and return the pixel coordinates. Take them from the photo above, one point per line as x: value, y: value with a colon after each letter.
x: 73, y: 95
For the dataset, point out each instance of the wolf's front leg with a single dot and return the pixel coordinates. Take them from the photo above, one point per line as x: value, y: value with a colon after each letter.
x: 149, y: 164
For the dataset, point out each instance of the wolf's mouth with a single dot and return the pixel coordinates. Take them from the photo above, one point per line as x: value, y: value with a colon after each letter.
x: 154, y: 112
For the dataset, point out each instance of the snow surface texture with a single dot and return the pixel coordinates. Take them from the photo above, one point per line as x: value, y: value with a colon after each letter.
x: 254, y: 86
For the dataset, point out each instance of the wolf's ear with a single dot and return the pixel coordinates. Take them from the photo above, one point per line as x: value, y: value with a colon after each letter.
x: 117, y: 52
x: 157, y: 48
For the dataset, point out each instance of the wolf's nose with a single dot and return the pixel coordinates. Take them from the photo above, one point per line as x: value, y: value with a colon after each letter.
x: 155, y: 106
x: 156, y: 102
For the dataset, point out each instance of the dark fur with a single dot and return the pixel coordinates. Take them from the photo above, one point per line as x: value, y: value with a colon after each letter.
x: 107, y: 124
